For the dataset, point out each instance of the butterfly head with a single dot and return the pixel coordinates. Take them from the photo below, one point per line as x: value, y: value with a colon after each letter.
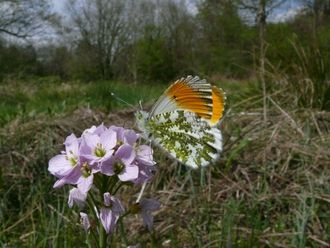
x: 184, y: 121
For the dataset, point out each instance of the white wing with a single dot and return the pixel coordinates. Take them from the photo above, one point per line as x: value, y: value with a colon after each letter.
x: 186, y: 137
x: 169, y: 101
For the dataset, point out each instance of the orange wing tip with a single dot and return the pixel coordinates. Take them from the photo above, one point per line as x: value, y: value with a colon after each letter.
x: 218, y: 98
x: 187, y: 97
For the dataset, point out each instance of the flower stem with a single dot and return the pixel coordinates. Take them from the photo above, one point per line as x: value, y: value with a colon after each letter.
x: 92, y: 206
x: 122, y: 232
x: 102, y: 237
x: 117, y: 188
x: 113, y: 181
x: 102, y: 233
x: 95, y: 239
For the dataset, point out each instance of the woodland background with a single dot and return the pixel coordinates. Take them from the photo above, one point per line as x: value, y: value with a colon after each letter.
x: 271, y: 187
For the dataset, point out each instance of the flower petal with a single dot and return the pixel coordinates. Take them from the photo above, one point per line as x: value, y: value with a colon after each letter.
x: 72, y: 177
x: 100, y: 129
x: 108, y: 220
x: 59, y: 183
x: 130, y: 137
x: 85, y: 221
x: 59, y: 166
x: 113, y: 202
x: 107, y: 199
x: 76, y: 196
x: 107, y: 155
x: 119, y: 131
x: 71, y: 145
x: 126, y: 154
x: 144, y: 154
x: 149, y: 204
x: 95, y: 130
x: 88, y: 144
x: 90, y: 130
x: 107, y: 166
x: 129, y: 173
x: 148, y: 220
x: 84, y: 184
x: 108, y: 139
x: 146, y: 173
x: 117, y: 207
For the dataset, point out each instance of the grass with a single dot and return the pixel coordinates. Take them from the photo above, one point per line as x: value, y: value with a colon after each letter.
x: 27, y: 100
x: 271, y: 187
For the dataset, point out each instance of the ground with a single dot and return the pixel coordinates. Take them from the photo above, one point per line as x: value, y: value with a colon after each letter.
x: 270, y: 188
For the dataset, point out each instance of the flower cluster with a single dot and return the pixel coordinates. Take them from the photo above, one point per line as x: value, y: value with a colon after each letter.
x: 106, y: 158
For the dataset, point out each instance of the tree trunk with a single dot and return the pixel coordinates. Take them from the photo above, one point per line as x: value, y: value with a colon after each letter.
x: 261, y: 22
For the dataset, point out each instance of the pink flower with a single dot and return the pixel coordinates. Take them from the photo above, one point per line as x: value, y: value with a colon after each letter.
x: 66, y: 166
x: 76, y: 196
x: 85, y: 221
x: 148, y: 206
x: 145, y: 207
x: 144, y: 160
x: 95, y: 130
x: 126, y: 136
x: 97, y: 148
x: 111, y: 212
x: 113, y: 152
x: 122, y: 164
x: 62, y: 165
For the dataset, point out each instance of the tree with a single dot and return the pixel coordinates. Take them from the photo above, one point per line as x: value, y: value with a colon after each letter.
x: 319, y: 8
x: 160, y: 41
x: 101, y: 26
x: 222, y: 38
x: 18, y: 61
x: 23, y: 18
x: 261, y: 10
x: 180, y: 29
x: 319, y: 11
x: 253, y: 9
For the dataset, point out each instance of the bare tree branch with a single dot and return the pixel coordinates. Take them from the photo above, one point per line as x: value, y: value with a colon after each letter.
x: 103, y: 25
x: 23, y: 18
x: 252, y: 6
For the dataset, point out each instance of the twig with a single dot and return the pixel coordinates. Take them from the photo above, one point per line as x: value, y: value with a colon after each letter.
x: 288, y: 116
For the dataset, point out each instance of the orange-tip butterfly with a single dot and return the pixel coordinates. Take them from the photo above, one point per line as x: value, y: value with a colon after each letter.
x: 184, y: 121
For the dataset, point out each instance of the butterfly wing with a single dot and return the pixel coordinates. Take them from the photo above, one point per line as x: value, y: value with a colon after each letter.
x: 186, y: 137
x: 183, y: 121
x: 194, y: 95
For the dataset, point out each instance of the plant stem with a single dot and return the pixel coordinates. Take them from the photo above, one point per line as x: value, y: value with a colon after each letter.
x: 102, y: 237
x: 92, y: 206
x: 122, y: 232
x: 95, y: 239
x: 116, y: 189
x: 102, y: 233
x: 112, y: 184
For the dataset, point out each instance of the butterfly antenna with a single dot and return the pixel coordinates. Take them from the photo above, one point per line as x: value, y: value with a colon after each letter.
x: 121, y: 100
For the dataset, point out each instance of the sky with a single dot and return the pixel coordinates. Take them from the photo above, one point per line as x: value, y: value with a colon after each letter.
x: 58, y: 5
x: 285, y: 12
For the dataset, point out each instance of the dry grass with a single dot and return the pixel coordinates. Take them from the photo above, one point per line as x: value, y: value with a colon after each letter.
x: 270, y: 188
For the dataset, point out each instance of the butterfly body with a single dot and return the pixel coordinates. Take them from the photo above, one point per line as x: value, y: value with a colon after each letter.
x: 183, y: 122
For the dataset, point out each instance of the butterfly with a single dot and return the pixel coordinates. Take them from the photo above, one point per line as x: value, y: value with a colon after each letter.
x: 184, y: 121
